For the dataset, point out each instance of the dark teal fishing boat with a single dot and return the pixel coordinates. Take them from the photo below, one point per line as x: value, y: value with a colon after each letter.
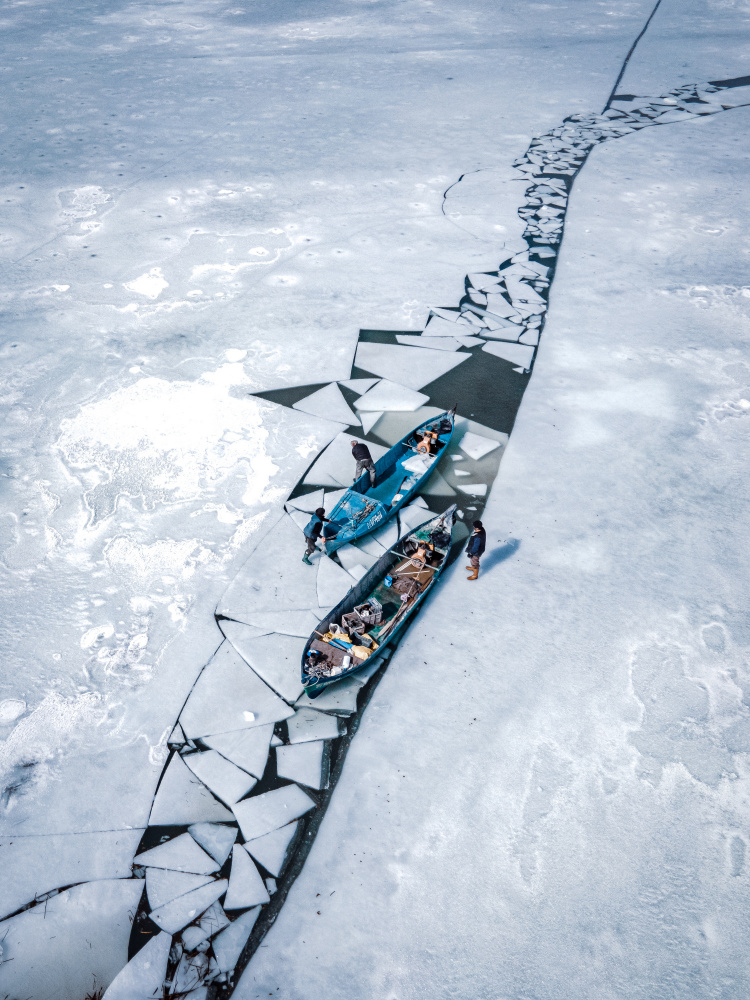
x: 399, y: 475
x: 377, y: 608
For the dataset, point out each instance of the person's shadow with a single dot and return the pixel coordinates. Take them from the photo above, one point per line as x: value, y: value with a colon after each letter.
x: 500, y: 554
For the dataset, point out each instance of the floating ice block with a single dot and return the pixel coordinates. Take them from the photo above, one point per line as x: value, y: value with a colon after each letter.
x: 271, y: 850
x: 162, y: 885
x: 229, y: 943
x: 263, y: 813
x: 518, y: 354
x: 340, y: 698
x: 476, y: 446
x: 144, y: 974
x: 333, y: 583
x: 305, y: 763
x: 182, y: 799
x: 247, y: 748
x: 434, y: 343
x: 409, y: 366
x: 227, y: 781
x: 276, y: 658
x: 388, y: 396
x: 181, y: 854
x: 369, y: 419
x: 306, y: 725
x: 359, y: 385
x: 246, y: 887
x: 328, y: 403
x: 215, y: 838
x: 180, y: 912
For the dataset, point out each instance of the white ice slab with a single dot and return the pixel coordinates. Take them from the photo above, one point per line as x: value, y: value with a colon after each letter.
x: 229, y: 943
x: 351, y: 556
x: 483, y: 282
x: 182, y: 799
x: 531, y: 337
x: 246, y: 887
x: 180, y: 912
x: 307, y: 725
x: 357, y: 572
x: 437, y: 326
x: 461, y: 472
x: 369, y: 419
x: 215, y: 838
x: 518, y: 354
x: 162, y: 885
x: 341, y: 698
x: 247, y: 748
x: 227, y: 781
x: 412, y: 516
x: 510, y: 332
x: 388, y: 396
x: 451, y: 315
x: 227, y: 696
x: 176, y: 737
x: 334, y: 584
x: 418, y: 463
x: 359, y: 385
x: 474, y: 489
x: 409, y: 366
x: 499, y: 306
x: 57, y: 950
x: 210, y: 923
x: 336, y: 465
x: 143, y: 976
x: 300, y: 518
x: 376, y: 543
x: 471, y: 341
x: 520, y: 291
x: 32, y: 866
x: 435, y: 343
x: 309, y: 502
x: 328, y: 403
x: 271, y: 885
x: 274, y: 579
x: 290, y: 622
x: 189, y: 978
x: 276, y: 658
x: 271, y: 850
x: 266, y: 812
x: 304, y: 763
x: 181, y: 854
x: 476, y: 446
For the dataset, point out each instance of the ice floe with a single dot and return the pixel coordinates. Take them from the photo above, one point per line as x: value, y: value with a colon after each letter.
x: 272, y: 849
x: 144, y: 974
x: 181, y: 854
x: 263, y: 813
x: 247, y: 748
x: 178, y: 913
x: 340, y: 698
x: 333, y: 585
x: 229, y: 943
x: 227, y: 781
x: 305, y: 763
x: 215, y: 838
x: 387, y: 395
x: 518, y: 354
x: 476, y: 446
x: 163, y: 885
x: 328, y: 403
x: 276, y: 658
x: 306, y: 725
x: 414, y: 367
x: 246, y: 887
x: 182, y: 799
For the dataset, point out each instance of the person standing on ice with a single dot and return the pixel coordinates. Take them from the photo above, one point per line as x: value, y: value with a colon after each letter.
x: 475, y: 548
x: 364, y: 461
x: 312, y: 532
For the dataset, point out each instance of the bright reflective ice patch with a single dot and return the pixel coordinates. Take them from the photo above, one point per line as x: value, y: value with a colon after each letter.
x: 151, y: 284
x: 476, y: 446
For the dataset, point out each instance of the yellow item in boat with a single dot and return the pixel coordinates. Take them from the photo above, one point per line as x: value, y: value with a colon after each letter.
x: 361, y: 652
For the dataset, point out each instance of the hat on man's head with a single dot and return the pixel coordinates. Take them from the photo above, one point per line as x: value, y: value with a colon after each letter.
x: 477, y: 524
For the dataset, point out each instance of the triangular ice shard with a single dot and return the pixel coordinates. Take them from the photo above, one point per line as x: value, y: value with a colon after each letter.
x: 340, y: 698
x: 438, y: 327
x: 229, y: 944
x: 300, y: 517
x: 214, y: 838
x: 517, y: 354
x: 333, y: 585
x: 423, y: 341
x: 359, y: 385
x: 476, y: 446
x: 180, y: 912
x: 409, y: 366
x: 308, y: 503
x: 329, y: 403
x: 263, y: 813
x: 247, y: 748
x: 412, y: 516
x: 305, y: 763
x: 143, y: 976
x: 181, y: 854
x: 370, y: 419
x: 272, y: 849
x: 276, y: 658
x: 227, y: 781
x: 228, y: 695
x: 182, y: 799
x: 246, y: 887
x: 389, y: 395
x: 307, y: 725
x: 162, y: 885
x: 351, y: 556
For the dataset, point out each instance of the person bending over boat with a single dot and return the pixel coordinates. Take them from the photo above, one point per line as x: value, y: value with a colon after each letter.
x: 312, y: 532
x: 361, y: 453
x: 475, y: 548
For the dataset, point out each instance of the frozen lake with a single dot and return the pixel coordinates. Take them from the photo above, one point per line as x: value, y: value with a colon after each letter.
x: 204, y: 204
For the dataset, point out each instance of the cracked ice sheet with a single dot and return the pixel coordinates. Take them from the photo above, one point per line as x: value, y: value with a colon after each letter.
x: 624, y: 627
x: 57, y: 950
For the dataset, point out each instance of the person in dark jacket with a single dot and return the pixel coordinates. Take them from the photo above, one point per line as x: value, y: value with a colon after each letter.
x: 313, y: 529
x: 475, y: 548
x: 361, y: 453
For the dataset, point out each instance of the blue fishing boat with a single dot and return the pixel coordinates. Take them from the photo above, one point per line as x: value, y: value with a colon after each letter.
x: 399, y: 475
x: 376, y: 610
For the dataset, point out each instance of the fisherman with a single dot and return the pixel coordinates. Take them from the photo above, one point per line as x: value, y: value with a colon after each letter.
x: 361, y: 453
x: 475, y: 548
x: 312, y: 532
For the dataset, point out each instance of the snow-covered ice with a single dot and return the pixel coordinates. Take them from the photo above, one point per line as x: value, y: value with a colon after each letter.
x: 181, y: 854
x: 227, y: 781
x: 268, y: 811
x: 181, y: 798
x: 246, y: 887
x: 179, y: 912
x: 272, y: 849
x: 305, y: 763
x: 248, y: 748
x: 307, y: 724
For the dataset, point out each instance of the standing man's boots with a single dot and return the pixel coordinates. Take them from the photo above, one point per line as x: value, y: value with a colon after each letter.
x: 305, y: 559
x: 474, y: 574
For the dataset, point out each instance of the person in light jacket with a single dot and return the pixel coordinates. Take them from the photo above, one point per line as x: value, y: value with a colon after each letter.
x: 475, y: 548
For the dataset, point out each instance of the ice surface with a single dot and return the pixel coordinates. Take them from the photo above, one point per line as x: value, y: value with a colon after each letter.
x: 57, y: 950
x: 376, y: 543
x: 387, y: 395
x: 300, y: 518
x: 333, y: 585
x: 263, y: 813
x: 359, y: 385
x: 339, y: 698
x: 246, y: 887
x: 32, y: 866
x: 181, y: 854
x: 515, y: 353
x: 227, y: 696
x: 215, y: 838
x: 306, y: 725
x: 476, y: 446
x: 225, y: 780
x: 182, y: 799
x: 474, y: 489
x: 309, y: 502
x: 304, y: 763
x: 175, y: 915
x: 439, y: 327
x: 143, y: 976
x: 162, y: 885
x: 369, y: 419
x: 412, y: 516
x: 336, y: 466
x: 499, y: 306
x: 229, y: 944
x: 357, y: 572
x: 289, y: 622
x: 435, y: 343
x: 352, y: 556
x: 276, y: 658
x: 328, y: 403
x: 410, y: 366
x: 189, y: 975
x: 248, y: 748
x: 272, y: 848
